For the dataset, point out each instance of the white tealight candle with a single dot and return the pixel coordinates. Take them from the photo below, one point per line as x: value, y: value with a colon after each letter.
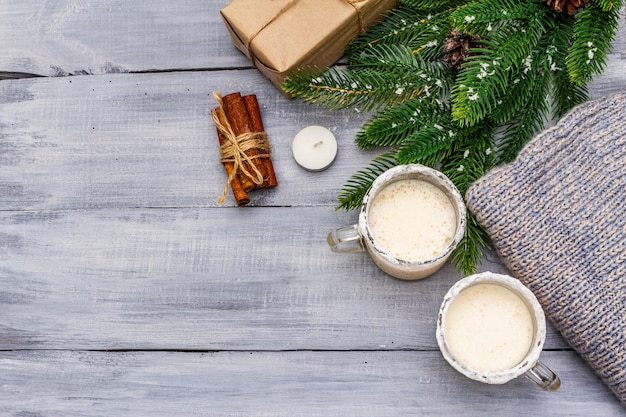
x: 314, y: 148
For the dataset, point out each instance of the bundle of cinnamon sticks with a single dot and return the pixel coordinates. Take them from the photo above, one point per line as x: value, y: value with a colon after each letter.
x: 244, y: 147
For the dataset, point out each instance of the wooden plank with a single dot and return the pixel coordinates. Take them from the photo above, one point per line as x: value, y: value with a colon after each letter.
x: 127, y: 140
x: 207, y: 279
x: 58, y: 38
x: 255, y: 384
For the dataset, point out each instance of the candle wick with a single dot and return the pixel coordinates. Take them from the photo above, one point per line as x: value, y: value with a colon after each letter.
x: 321, y: 142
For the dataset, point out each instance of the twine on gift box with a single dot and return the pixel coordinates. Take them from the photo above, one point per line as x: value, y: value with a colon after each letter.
x: 358, y: 13
x: 248, y: 46
x: 235, y: 148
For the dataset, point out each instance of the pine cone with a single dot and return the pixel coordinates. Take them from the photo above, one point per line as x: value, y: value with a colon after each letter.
x: 570, y: 7
x: 456, y: 47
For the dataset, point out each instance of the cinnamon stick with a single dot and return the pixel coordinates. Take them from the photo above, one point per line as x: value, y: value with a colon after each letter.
x: 241, y: 196
x: 237, y: 115
x: 256, y: 124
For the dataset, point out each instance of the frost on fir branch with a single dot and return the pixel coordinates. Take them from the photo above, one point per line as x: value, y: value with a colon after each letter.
x: 462, y: 85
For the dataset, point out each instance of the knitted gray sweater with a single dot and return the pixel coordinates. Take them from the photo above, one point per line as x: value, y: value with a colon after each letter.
x: 557, y: 219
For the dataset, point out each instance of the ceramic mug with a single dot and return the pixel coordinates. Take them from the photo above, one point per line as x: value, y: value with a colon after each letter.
x: 491, y: 328
x: 411, y: 219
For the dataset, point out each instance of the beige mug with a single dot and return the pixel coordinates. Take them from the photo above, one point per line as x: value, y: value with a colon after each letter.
x: 491, y: 329
x: 411, y: 219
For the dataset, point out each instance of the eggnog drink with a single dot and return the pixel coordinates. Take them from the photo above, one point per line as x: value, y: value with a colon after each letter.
x: 412, y: 220
x: 488, y: 328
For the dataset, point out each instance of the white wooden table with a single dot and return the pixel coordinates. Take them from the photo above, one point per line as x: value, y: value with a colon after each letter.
x: 126, y: 290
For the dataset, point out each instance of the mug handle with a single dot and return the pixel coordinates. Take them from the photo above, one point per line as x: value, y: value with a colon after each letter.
x: 345, y: 239
x: 543, y: 377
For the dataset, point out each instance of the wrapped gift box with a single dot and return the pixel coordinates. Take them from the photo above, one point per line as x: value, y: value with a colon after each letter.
x: 279, y: 36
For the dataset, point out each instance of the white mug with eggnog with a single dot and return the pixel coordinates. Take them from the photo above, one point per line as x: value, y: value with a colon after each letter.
x: 491, y: 328
x: 411, y: 220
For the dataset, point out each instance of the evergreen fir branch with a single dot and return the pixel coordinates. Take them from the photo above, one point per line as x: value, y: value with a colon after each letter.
x: 332, y: 88
x: 401, y: 62
x: 594, y: 30
x: 481, y: 18
x: 415, y: 29
x: 471, y: 249
x: 394, y: 124
x: 351, y: 195
x: 427, y: 79
x: 470, y: 155
x: 387, y: 76
x: 528, y: 121
x: 400, y: 27
x: 470, y: 159
x: 520, y: 93
x: 533, y: 79
x: 430, y: 5
x: 608, y: 5
x: 337, y: 88
x: 527, y: 116
x: 427, y: 146
x: 566, y: 93
x: 487, y: 75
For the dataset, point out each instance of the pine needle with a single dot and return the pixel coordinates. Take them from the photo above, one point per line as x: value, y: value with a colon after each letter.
x: 352, y: 193
x: 471, y: 156
x: 467, y: 255
x: 594, y: 30
x: 419, y: 29
x: 566, y: 93
x: 395, y: 124
x: 488, y: 74
x: 429, y: 145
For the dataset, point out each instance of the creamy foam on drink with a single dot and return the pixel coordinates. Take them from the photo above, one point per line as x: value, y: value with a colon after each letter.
x: 488, y: 328
x: 412, y: 220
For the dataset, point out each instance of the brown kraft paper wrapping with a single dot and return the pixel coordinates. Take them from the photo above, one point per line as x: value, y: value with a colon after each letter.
x: 279, y: 36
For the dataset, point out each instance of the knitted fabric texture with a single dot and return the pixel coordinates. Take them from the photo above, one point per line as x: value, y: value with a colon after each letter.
x: 557, y: 219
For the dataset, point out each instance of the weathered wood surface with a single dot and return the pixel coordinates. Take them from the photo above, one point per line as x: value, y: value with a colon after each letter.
x: 204, y: 279
x: 57, y: 38
x: 147, y: 140
x: 125, y: 289
x: 281, y: 384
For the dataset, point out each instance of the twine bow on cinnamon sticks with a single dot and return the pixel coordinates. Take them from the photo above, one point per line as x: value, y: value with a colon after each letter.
x: 244, y: 146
